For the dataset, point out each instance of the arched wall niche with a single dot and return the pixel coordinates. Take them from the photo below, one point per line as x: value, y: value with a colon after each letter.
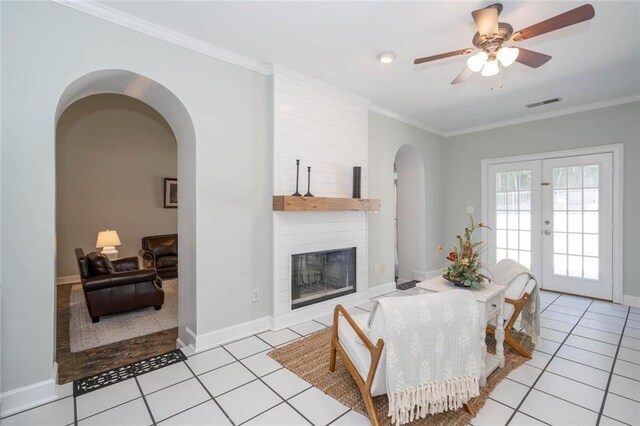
x: 410, y: 212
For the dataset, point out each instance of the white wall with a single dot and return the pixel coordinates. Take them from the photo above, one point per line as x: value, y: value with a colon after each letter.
x: 229, y: 109
x: 613, y: 125
x: 112, y: 155
x: 386, y: 137
x: 326, y: 129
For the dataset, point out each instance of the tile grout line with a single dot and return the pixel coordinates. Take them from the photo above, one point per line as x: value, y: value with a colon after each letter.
x: 272, y: 390
x: 144, y: 399
x: 503, y: 404
x: 210, y: 395
x: 613, y: 366
x: 75, y: 411
x: 37, y: 406
x: 543, y: 371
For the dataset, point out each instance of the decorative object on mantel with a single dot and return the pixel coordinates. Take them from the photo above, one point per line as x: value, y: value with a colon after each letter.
x: 357, y: 181
x: 308, y: 194
x: 464, y: 269
x: 297, y: 194
x: 289, y: 203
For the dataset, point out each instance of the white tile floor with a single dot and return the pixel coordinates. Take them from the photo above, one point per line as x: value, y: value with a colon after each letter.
x: 586, y: 371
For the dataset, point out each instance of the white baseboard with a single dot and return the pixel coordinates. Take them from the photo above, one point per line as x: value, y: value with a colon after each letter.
x: 425, y: 275
x: 69, y: 280
x: 379, y: 290
x: 218, y: 337
x: 16, y: 400
x: 317, y: 310
x: 633, y: 301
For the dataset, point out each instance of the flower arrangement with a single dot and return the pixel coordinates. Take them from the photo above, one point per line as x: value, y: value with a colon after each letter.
x: 464, y: 269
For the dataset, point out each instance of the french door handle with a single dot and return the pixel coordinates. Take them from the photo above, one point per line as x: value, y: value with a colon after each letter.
x: 547, y: 232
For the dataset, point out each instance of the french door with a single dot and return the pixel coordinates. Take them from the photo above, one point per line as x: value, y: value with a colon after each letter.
x: 555, y: 217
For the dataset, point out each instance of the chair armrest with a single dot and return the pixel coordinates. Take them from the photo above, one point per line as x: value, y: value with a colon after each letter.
x: 375, y: 351
x: 340, y: 310
x: 148, y: 258
x: 126, y: 264
x: 120, y: 278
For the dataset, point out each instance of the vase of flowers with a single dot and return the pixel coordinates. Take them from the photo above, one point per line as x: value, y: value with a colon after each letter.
x: 464, y: 269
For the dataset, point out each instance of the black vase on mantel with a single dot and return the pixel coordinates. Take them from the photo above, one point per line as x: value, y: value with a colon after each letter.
x: 357, y: 181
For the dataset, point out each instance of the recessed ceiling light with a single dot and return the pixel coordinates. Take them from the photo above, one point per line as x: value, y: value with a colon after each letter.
x: 387, y: 57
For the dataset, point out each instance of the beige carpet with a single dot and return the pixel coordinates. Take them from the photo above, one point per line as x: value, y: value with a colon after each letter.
x: 113, y: 328
x: 309, y: 359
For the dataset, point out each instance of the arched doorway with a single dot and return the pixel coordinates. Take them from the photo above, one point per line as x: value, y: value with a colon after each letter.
x: 410, y: 213
x: 167, y: 104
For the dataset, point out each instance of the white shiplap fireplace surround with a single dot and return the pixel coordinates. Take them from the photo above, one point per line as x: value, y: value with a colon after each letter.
x: 326, y: 128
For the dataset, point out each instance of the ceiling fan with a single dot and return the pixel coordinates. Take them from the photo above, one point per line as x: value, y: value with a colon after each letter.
x: 492, y: 35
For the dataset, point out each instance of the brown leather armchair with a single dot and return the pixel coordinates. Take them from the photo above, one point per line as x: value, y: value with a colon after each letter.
x: 124, y: 288
x: 161, y: 252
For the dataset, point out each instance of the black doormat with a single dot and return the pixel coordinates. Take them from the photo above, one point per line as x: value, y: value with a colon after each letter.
x: 407, y: 285
x: 117, y: 375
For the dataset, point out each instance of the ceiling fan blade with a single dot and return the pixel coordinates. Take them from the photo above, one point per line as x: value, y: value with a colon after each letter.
x: 442, y: 56
x: 465, y: 74
x: 487, y: 20
x: 574, y: 16
x: 532, y: 59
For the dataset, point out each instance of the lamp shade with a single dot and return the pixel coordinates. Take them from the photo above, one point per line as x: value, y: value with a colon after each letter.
x: 508, y: 55
x: 107, y: 239
x: 477, y: 61
x: 490, y: 68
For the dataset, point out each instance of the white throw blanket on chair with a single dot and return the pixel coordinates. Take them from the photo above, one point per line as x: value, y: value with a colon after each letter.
x: 508, y: 271
x: 433, y: 352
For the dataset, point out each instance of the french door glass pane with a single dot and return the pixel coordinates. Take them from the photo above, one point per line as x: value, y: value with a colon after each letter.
x: 513, y: 216
x: 576, y: 251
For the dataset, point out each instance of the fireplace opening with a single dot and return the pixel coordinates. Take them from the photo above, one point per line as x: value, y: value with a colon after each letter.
x: 322, y: 275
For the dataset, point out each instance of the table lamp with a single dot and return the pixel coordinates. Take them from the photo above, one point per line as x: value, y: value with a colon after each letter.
x: 108, y: 240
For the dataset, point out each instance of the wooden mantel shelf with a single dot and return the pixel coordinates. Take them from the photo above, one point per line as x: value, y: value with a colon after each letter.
x: 289, y: 203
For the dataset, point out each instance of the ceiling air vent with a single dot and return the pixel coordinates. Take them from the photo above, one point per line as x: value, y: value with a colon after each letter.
x: 548, y: 101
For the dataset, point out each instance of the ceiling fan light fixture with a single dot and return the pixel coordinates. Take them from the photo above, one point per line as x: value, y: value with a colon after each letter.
x: 491, y: 68
x: 477, y: 61
x: 387, y: 57
x: 508, y: 55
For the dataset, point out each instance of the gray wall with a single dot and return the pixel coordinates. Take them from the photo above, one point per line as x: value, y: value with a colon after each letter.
x: 386, y: 137
x: 613, y: 125
x: 112, y: 155
x: 230, y: 161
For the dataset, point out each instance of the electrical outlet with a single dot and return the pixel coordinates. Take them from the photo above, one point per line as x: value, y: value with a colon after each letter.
x: 255, y: 295
x: 470, y: 209
x: 383, y: 268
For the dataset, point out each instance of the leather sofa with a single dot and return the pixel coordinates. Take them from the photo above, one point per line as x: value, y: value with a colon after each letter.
x: 161, y: 253
x: 116, y: 286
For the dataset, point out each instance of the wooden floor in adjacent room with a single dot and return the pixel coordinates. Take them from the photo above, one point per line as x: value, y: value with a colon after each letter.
x: 73, y: 366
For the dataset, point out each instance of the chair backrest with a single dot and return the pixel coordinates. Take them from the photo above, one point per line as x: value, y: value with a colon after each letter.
x: 83, y: 264
x: 161, y: 245
x: 518, y: 278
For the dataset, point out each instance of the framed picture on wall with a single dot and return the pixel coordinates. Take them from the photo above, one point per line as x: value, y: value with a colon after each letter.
x: 170, y: 193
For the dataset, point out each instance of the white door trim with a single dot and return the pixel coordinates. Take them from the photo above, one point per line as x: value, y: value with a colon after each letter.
x: 617, y: 150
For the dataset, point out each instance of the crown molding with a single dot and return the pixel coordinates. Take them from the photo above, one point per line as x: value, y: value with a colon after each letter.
x: 114, y: 16
x: 403, y: 119
x: 551, y: 114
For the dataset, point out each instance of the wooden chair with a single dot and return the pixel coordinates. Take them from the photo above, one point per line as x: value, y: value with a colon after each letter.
x: 516, y: 297
x: 364, y: 360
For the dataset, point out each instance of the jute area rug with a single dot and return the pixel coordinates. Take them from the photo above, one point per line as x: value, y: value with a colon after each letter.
x: 309, y: 359
x: 85, y: 335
